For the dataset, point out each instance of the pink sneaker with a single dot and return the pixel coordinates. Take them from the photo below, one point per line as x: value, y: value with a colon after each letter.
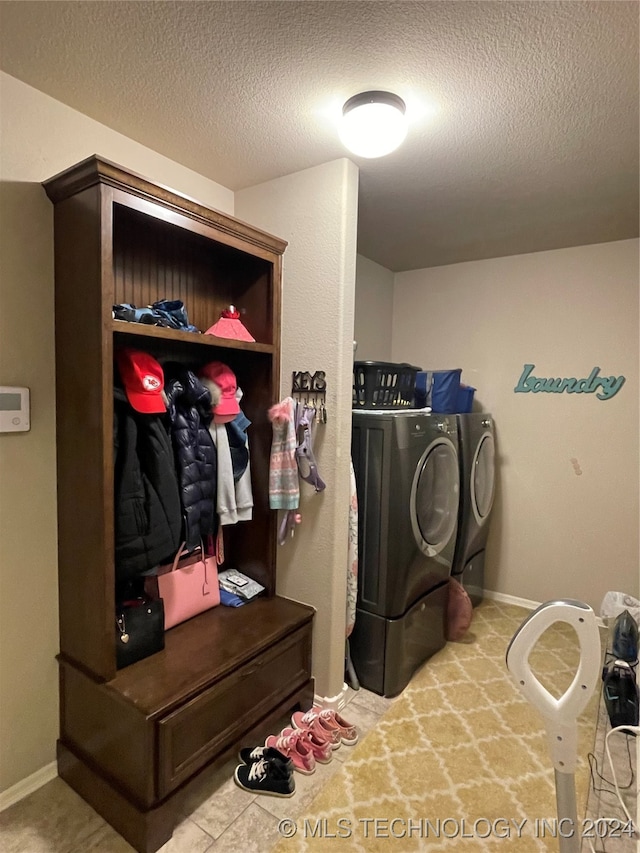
x: 320, y: 747
x: 313, y: 721
x: 328, y: 722
x: 348, y: 732
x: 295, y: 747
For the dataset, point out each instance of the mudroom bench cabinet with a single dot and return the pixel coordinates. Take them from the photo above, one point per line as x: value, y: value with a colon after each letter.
x: 132, y: 740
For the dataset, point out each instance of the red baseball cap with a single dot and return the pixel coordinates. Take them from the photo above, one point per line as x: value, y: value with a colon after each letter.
x: 143, y: 380
x: 225, y: 379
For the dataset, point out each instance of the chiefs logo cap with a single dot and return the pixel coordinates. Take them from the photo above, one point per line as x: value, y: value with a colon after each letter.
x: 143, y: 380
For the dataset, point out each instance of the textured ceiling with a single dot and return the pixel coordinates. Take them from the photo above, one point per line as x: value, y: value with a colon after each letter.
x: 524, y: 115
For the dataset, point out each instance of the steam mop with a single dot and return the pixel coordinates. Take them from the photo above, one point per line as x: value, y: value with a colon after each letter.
x: 561, y: 714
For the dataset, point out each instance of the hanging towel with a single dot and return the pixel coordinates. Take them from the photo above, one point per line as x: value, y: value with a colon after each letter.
x: 238, y: 445
x: 234, y: 501
x: 284, y: 487
x: 352, y: 556
x: 234, y: 497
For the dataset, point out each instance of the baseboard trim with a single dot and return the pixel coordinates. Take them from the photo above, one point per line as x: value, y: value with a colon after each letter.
x: 335, y: 703
x: 27, y: 786
x: 525, y: 602
x: 511, y: 599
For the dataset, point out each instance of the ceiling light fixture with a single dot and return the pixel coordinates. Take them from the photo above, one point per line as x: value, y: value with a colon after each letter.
x: 373, y: 123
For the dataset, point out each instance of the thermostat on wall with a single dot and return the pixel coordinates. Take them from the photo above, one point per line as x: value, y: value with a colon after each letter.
x: 14, y: 409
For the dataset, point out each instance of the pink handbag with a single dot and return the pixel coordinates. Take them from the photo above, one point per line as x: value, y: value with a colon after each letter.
x: 186, y: 589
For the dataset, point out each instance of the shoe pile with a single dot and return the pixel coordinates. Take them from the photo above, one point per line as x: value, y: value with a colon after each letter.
x: 312, y: 738
x: 620, y: 689
x: 326, y: 725
x: 265, y: 771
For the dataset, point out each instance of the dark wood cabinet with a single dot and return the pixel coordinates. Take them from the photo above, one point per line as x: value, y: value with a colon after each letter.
x: 132, y: 739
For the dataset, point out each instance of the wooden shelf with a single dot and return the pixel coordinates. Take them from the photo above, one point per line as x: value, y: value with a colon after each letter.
x: 141, y: 330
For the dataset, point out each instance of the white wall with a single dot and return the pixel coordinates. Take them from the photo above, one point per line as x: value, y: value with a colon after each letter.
x: 555, y: 532
x: 316, y: 211
x: 40, y: 137
x: 373, y: 310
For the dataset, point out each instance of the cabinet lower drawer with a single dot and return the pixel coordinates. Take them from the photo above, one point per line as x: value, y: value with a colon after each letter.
x: 195, y: 733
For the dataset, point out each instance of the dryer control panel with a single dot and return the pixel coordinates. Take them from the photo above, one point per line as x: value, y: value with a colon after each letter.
x: 445, y: 425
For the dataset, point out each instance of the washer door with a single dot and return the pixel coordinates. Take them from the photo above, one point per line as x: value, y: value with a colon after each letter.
x: 434, y: 497
x: 483, y: 478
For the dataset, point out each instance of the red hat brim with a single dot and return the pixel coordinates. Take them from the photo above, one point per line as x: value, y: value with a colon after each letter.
x: 146, y: 404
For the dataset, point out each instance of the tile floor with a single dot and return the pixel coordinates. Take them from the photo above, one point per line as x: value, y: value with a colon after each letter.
x: 218, y: 815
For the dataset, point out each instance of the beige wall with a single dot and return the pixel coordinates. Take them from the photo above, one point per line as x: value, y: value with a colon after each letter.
x: 555, y: 532
x: 374, y: 311
x: 40, y: 137
x: 316, y: 211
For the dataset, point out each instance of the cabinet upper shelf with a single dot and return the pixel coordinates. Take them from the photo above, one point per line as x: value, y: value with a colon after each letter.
x: 159, y: 245
x: 144, y: 331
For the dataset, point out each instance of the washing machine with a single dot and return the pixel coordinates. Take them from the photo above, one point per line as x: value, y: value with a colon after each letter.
x: 408, y: 485
x: 477, y: 487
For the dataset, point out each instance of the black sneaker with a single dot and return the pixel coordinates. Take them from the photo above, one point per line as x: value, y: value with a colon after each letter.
x: 248, y: 755
x: 265, y: 777
x: 620, y: 693
x: 625, y: 637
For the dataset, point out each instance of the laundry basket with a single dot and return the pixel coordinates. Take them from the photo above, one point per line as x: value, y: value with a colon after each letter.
x: 383, y: 385
x: 445, y: 385
x: 465, y: 398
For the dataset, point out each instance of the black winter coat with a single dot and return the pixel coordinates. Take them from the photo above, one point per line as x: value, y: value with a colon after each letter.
x: 147, y: 511
x: 195, y: 452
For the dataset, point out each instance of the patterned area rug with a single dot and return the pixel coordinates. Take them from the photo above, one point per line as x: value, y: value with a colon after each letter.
x: 460, y: 759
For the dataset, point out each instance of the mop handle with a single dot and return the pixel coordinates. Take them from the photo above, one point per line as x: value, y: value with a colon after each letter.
x: 560, y: 714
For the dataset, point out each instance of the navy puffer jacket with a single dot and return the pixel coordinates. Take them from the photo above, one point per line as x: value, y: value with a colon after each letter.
x: 195, y: 453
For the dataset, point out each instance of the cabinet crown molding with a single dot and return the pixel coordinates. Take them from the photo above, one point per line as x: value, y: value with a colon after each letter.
x: 97, y: 169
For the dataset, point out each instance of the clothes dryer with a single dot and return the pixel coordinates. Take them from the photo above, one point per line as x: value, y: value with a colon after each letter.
x: 477, y: 487
x: 408, y: 483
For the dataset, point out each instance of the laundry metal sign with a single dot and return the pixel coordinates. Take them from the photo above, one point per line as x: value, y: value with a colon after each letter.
x: 604, y: 387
